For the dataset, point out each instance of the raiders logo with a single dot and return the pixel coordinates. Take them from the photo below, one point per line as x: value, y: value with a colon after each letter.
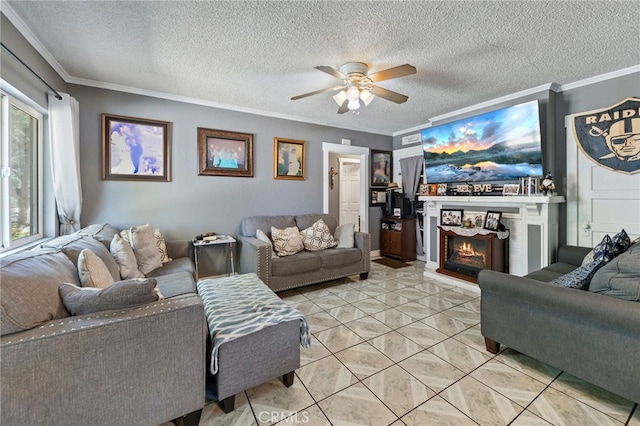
x: 611, y: 136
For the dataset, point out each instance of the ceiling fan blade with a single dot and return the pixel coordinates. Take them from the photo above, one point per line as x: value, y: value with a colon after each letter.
x: 332, y: 71
x: 328, y: 89
x: 343, y: 108
x: 389, y: 95
x: 395, y: 72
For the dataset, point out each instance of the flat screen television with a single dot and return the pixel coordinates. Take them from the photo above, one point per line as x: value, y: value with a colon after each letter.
x: 504, y: 145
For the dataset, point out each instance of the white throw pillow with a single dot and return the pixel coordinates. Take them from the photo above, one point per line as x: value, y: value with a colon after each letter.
x: 125, y: 258
x: 143, y: 243
x: 344, y: 235
x: 263, y: 237
x: 162, y: 246
x: 287, y: 241
x: 92, y: 271
x: 317, y: 237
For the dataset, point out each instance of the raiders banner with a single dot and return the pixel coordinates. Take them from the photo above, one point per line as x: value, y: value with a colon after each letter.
x: 611, y: 136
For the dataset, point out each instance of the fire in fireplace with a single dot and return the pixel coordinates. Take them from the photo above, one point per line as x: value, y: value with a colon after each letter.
x: 464, y: 256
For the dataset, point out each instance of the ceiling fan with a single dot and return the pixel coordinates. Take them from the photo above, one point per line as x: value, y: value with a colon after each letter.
x: 356, y: 85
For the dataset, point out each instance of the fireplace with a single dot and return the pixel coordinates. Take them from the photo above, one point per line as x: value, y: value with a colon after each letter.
x: 464, y: 255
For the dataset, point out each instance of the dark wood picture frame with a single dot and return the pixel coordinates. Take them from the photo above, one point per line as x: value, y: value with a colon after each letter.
x: 136, y: 149
x: 225, y: 153
x: 377, y: 197
x: 451, y: 217
x: 492, y: 220
x: 289, y: 159
x: 381, y: 174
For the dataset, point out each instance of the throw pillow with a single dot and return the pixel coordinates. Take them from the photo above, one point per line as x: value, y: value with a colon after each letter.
x: 92, y: 270
x: 125, y: 258
x: 162, y: 246
x: 144, y: 246
x: 119, y: 295
x: 263, y: 237
x: 620, y: 277
x: 287, y: 241
x: 344, y: 235
x: 580, y: 277
x: 603, y: 251
x: 621, y: 242
x: 317, y: 237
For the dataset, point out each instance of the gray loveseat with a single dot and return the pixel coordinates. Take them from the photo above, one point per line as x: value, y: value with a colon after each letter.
x: 303, y: 268
x: 593, y: 336
x: 143, y: 365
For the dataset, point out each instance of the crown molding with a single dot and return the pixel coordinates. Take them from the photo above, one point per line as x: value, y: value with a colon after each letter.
x: 600, y: 78
x: 23, y: 29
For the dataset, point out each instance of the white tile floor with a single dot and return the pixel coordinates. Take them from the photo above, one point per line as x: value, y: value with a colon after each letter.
x: 402, y: 349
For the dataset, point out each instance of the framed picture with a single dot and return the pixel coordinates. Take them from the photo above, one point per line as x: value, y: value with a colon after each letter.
x: 451, y: 217
x: 492, y: 221
x: 135, y: 149
x: 442, y: 189
x: 289, y: 159
x: 511, y: 189
x: 378, y: 197
x: 224, y: 153
x: 381, y: 167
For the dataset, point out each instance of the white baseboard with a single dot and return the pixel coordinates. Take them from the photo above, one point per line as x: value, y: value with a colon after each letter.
x: 431, y: 273
x: 375, y: 254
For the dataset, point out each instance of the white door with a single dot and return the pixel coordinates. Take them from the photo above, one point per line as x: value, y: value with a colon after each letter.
x: 600, y: 201
x: 350, y: 191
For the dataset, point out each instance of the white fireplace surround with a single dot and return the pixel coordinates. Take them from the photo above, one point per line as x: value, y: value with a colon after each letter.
x: 532, y: 222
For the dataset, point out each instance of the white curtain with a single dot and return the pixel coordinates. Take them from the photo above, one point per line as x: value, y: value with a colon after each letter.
x: 64, y: 136
x: 411, y: 169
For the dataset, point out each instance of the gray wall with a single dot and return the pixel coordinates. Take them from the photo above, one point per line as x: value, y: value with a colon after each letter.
x: 191, y: 204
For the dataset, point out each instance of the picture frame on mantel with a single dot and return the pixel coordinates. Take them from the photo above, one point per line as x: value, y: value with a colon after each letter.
x: 492, y: 220
x: 225, y: 153
x: 136, y: 149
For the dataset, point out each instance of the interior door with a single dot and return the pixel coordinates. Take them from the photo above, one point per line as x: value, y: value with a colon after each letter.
x: 605, y: 201
x: 350, y: 191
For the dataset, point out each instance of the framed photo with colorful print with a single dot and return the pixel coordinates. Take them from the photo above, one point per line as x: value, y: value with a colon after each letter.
x: 224, y: 153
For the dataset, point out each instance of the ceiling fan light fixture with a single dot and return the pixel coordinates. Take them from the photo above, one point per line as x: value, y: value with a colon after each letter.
x: 353, y: 94
x: 367, y: 97
x: 353, y: 105
x: 340, y: 97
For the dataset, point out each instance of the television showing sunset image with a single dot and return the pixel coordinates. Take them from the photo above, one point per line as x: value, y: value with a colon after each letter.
x: 499, y: 145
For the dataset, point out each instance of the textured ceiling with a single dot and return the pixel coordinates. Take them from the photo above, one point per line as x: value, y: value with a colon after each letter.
x: 257, y: 55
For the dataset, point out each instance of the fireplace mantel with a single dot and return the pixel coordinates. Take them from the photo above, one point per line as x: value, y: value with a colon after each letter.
x: 532, y: 222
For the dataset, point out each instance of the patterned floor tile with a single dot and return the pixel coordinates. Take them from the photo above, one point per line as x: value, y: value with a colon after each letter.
x: 309, y: 416
x: 594, y: 396
x: 363, y: 360
x: 338, y: 338
x: 409, y: 279
x: 511, y: 383
x: 472, y: 337
x: 472, y: 305
x: 635, y: 419
x: 529, y: 366
x: 422, y: 334
x: 436, y: 303
x: 321, y: 321
x: 314, y: 352
x: 368, y: 327
x: 432, y: 370
x: 356, y: 405
x: 373, y: 290
x: 394, y: 318
x: 459, y: 355
x: 445, y: 324
x: 307, y: 307
x: 212, y: 414
x: 457, y: 296
x: 463, y: 315
x: 431, y: 288
x: 399, y: 390
x: 527, y: 418
x: 292, y: 296
x: 347, y: 313
x: 437, y: 411
x: 370, y: 306
x: 325, y: 377
x: 396, y: 346
x: 316, y: 291
x: 559, y: 409
x: 272, y: 401
x: 392, y: 285
x: 352, y: 295
x: 411, y: 293
x: 416, y: 310
x: 329, y: 302
x: 339, y: 288
x: 481, y: 403
x: 392, y: 298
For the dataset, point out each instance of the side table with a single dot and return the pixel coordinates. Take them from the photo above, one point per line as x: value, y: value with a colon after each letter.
x: 228, y: 243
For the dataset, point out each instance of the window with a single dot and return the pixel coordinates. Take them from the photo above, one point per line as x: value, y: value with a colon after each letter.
x: 21, y: 165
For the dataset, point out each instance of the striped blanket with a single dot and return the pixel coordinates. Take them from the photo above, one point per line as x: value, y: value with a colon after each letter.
x: 242, y: 304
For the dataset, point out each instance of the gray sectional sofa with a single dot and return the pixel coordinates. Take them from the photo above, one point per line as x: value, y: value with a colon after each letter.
x: 143, y: 365
x: 592, y: 334
x: 304, y: 268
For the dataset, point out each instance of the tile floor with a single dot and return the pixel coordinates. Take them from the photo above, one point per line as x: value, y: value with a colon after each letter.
x: 401, y: 349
